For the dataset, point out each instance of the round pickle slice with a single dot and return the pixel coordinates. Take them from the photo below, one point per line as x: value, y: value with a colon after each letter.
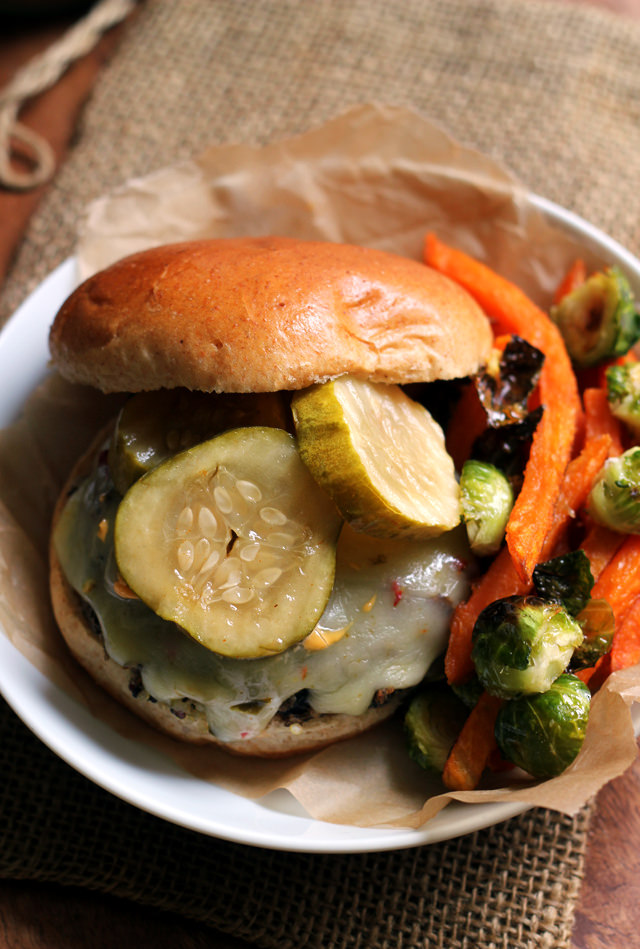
x: 380, y: 456
x: 155, y: 425
x: 232, y: 540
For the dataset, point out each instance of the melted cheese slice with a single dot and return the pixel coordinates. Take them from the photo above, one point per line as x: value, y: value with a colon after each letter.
x: 386, y: 621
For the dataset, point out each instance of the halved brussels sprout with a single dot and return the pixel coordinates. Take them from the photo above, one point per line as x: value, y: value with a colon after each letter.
x: 543, y: 733
x: 486, y: 497
x: 598, y: 625
x: 432, y: 723
x: 614, y: 500
x: 623, y: 393
x: 566, y: 579
x: 598, y: 320
x: 521, y: 644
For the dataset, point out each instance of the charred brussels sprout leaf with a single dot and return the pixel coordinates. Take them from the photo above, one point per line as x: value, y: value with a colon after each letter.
x: 504, y: 390
x: 598, y: 320
x: 566, y: 579
x: 623, y: 394
x: 432, y: 723
x: 487, y: 498
x: 507, y: 446
x: 510, y: 378
x: 543, y: 733
x: 614, y: 500
x: 469, y: 692
x: 597, y: 623
x: 521, y: 644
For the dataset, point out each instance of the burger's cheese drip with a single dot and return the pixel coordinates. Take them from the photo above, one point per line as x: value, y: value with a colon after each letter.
x: 374, y: 641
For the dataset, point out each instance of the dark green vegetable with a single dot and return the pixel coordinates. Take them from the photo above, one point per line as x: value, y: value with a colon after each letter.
x: 598, y: 320
x: 469, y: 692
x: 566, y: 579
x: 504, y: 390
x: 543, y: 733
x: 507, y: 446
x: 505, y: 386
x: 598, y: 624
x: 614, y: 500
x: 487, y: 498
x: 623, y: 394
x: 432, y: 723
x: 521, y: 644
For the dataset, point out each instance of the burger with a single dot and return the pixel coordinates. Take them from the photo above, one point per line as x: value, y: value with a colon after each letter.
x: 262, y: 551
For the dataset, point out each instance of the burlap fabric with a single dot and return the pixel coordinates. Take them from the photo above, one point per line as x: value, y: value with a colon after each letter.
x: 551, y: 90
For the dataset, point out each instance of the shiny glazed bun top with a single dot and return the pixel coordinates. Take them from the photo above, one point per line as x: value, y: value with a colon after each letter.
x: 264, y: 314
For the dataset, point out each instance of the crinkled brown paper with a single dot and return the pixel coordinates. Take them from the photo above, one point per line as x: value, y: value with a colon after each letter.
x: 378, y: 176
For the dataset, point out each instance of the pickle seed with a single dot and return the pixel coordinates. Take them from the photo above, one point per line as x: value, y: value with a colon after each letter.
x: 207, y: 521
x: 185, y: 519
x: 273, y: 516
x: 185, y: 556
x: 267, y: 576
x: 249, y: 491
x: 281, y: 539
x: 222, y: 497
x: 237, y: 595
x: 249, y: 553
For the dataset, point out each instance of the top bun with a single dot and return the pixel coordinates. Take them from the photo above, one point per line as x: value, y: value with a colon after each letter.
x: 264, y: 314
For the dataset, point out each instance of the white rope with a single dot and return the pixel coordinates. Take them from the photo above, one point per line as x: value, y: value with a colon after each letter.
x: 39, y: 74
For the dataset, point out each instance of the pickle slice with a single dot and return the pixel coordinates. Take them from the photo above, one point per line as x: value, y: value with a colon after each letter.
x: 232, y: 540
x: 153, y: 426
x: 380, y: 456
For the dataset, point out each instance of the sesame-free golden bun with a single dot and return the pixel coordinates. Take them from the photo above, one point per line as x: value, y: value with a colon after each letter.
x: 265, y: 314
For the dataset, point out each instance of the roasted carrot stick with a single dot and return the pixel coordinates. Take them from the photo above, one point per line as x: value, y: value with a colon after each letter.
x: 599, y: 419
x: 468, y: 421
x: 619, y: 582
x: 600, y: 546
x: 473, y: 747
x: 625, y: 649
x: 513, y: 312
x: 501, y: 579
x: 575, y: 275
x: 578, y: 480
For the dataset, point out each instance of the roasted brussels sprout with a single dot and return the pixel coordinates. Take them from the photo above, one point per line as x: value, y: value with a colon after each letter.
x: 598, y: 320
x: 614, y: 500
x: 597, y: 623
x: 566, y: 579
x: 521, y: 644
x: 487, y: 498
x: 468, y: 692
x: 432, y: 723
x: 508, y: 380
x: 543, y: 733
x: 504, y: 389
x: 623, y: 393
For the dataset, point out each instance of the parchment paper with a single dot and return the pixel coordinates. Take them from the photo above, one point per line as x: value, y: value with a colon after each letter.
x: 378, y: 176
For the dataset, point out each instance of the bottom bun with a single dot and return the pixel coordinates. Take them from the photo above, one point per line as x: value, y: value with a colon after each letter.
x: 185, y: 721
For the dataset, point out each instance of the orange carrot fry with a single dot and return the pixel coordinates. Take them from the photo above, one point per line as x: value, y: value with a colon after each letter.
x: 619, y: 582
x: 625, y: 649
x: 596, y: 675
x: 576, y: 485
x: 600, y: 420
x: 552, y: 444
x: 501, y: 579
x: 468, y: 421
x: 600, y: 545
x: 474, y: 746
x: 575, y: 275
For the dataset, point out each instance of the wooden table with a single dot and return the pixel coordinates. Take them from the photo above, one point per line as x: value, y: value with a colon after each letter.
x: 44, y: 916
